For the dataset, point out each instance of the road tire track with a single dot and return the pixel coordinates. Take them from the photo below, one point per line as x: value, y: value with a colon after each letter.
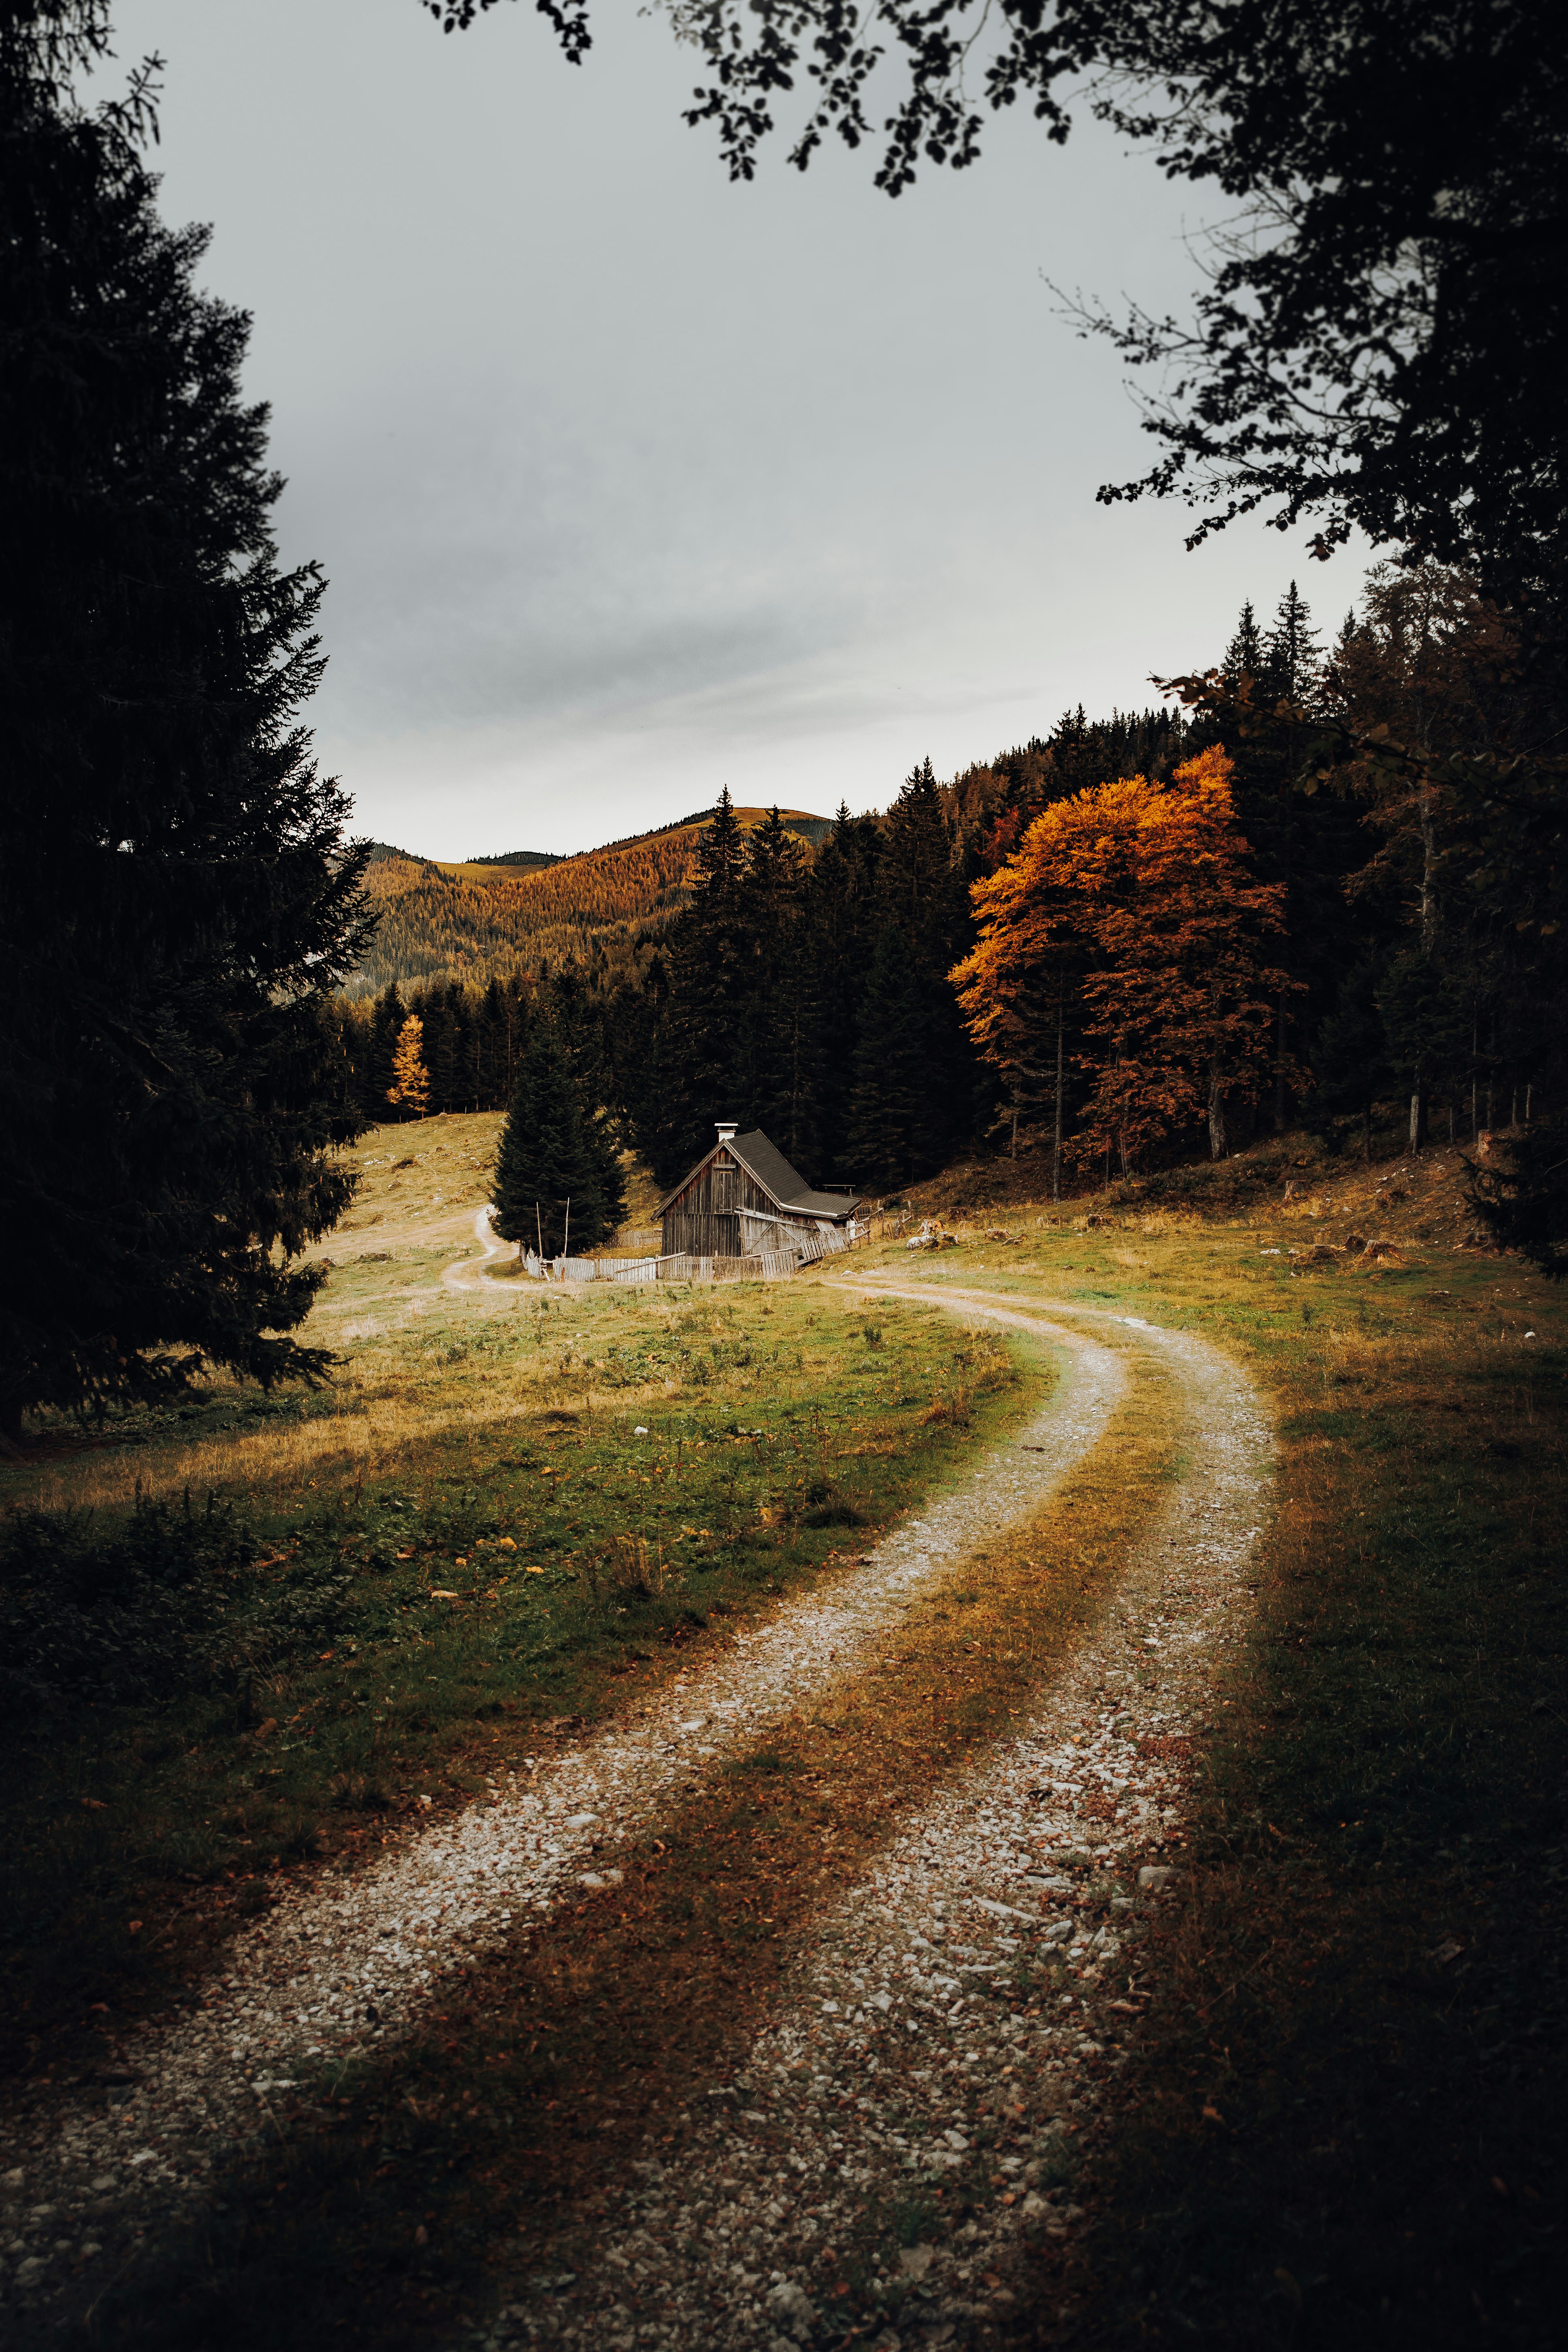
x: 895, y: 2081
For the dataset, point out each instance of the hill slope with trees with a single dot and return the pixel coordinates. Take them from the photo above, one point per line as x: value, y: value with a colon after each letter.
x: 480, y: 920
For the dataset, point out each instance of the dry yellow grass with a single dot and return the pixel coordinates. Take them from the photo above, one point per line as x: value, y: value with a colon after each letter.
x: 399, y: 1325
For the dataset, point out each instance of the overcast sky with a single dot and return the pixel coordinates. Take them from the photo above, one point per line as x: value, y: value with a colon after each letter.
x: 630, y: 484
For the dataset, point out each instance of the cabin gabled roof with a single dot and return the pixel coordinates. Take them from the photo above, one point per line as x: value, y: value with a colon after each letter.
x: 771, y: 1171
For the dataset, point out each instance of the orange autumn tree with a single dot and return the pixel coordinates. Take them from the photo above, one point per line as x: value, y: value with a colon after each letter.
x: 410, y: 1087
x: 1021, y: 986
x: 1140, y: 893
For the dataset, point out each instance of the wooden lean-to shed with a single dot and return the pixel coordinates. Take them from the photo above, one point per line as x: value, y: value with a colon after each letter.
x: 743, y: 1198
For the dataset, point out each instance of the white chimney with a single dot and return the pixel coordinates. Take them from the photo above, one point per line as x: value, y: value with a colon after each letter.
x: 727, y: 1128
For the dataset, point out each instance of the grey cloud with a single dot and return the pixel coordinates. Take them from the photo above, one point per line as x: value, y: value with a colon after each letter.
x: 630, y: 483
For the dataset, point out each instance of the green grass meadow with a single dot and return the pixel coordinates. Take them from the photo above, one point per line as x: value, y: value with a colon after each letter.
x: 587, y: 1484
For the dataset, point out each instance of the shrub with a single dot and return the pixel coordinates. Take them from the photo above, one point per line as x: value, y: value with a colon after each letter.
x: 623, y: 1570
x: 93, y: 1610
x: 168, y: 1601
x: 826, y: 1506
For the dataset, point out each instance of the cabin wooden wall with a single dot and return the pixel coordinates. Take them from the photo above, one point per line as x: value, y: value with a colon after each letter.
x: 702, y: 1218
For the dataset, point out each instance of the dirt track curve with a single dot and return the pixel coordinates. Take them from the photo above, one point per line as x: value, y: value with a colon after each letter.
x: 867, y: 2083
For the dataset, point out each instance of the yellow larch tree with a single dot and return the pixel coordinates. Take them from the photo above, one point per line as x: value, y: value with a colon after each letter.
x: 410, y: 1087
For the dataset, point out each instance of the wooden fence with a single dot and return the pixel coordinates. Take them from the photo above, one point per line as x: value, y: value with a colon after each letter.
x: 760, y: 1266
x: 685, y: 1265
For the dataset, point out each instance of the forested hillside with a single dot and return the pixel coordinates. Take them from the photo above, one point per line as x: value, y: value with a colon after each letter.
x: 1124, y: 942
x: 491, y: 918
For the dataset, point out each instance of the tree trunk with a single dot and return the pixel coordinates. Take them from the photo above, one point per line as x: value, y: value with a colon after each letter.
x: 1369, y: 1135
x: 1287, y: 863
x: 1418, y: 1116
x: 1057, y: 1152
x: 1428, y: 869
x: 1216, y: 1113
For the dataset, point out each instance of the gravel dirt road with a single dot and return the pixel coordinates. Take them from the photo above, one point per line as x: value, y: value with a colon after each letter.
x: 890, y: 2074
x: 897, y: 2081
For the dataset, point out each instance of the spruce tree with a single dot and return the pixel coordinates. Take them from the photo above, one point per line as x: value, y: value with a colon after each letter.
x: 546, y: 1185
x: 921, y: 894
x: 889, y: 1125
x: 1293, y: 666
x: 1244, y: 655
x: 776, y: 1019
x: 176, y: 896
x: 578, y: 1016
x: 493, y: 1074
x: 1352, y: 1068
x: 839, y: 942
x: 559, y: 1143
x: 709, y: 976
x: 1274, y: 698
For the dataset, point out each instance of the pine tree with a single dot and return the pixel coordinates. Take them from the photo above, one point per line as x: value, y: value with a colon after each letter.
x: 774, y: 1018
x: 176, y: 897
x: 888, y: 1129
x: 921, y: 894
x: 838, y: 942
x: 548, y: 1186
x: 1291, y: 667
x: 1244, y: 655
x: 410, y: 1088
x: 709, y: 960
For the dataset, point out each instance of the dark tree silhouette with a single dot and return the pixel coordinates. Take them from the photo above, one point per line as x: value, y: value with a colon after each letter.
x: 1381, y: 344
x: 176, y: 898
x: 555, y: 1176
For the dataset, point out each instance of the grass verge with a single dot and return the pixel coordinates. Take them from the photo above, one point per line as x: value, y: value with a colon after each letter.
x: 1341, y: 2125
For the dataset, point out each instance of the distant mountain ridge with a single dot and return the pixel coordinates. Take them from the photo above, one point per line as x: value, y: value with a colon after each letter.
x: 517, y: 857
x: 484, y: 918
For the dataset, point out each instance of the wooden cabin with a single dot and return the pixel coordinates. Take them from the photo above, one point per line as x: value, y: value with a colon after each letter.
x: 744, y: 1198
